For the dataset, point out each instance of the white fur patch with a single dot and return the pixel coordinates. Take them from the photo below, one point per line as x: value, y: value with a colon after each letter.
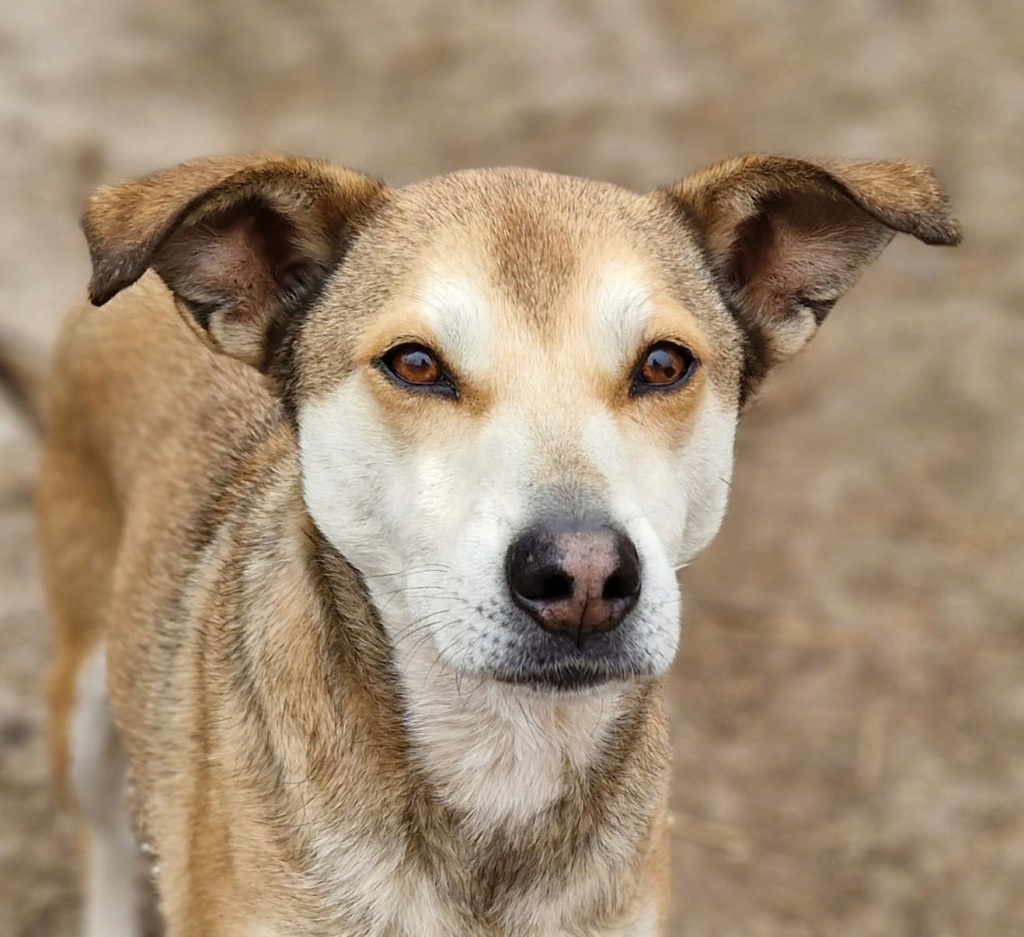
x: 457, y: 313
x: 621, y: 312
x: 113, y: 903
x: 367, y: 874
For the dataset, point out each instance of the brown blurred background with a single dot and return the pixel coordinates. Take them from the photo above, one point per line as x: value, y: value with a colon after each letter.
x: 849, y: 703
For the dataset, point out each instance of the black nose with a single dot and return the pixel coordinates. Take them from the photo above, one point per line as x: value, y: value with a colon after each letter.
x: 573, y: 578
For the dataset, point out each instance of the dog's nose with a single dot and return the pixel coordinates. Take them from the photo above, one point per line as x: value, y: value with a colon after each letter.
x: 574, y: 579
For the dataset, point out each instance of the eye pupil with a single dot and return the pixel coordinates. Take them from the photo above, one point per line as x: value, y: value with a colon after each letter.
x: 418, y: 364
x: 663, y: 365
x: 414, y: 364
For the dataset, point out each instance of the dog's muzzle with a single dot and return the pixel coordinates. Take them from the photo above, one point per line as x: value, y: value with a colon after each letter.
x: 577, y: 581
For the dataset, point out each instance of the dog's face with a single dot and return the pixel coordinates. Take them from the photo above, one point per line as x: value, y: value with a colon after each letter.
x: 519, y: 397
x: 515, y: 393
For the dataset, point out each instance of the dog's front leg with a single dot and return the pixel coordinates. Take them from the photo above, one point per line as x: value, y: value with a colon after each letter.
x: 116, y: 888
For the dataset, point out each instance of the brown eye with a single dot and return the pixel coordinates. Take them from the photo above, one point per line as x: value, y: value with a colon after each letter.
x: 418, y: 366
x: 663, y: 366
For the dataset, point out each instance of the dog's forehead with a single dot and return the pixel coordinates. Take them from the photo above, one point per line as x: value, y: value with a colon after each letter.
x: 531, y: 230
x: 532, y: 240
x: 518, y: 202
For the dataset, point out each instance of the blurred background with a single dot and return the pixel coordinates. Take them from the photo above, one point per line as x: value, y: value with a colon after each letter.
x: 848, y: 707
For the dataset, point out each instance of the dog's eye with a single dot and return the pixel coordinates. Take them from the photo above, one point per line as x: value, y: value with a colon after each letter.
x: 413, y: 363
x: 663, y: 366
x: 416, y: 365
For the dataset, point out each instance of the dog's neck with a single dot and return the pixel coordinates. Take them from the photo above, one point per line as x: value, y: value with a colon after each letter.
x: 498, y: 754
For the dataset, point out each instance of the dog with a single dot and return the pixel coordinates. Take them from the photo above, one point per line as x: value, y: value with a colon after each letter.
x: 360, y: 512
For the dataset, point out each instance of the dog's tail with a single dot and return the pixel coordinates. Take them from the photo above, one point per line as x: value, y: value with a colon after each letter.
x: 23, y: 375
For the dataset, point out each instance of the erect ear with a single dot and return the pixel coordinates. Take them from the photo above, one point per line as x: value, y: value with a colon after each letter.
x: 241, y: 241
x: 786, y: 238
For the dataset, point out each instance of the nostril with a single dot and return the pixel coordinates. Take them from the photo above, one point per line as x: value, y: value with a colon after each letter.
x: 542, y: 585
x: 620, y: 586
x: 555, y: 587
x: 535, y: 573
x: 624, y: 582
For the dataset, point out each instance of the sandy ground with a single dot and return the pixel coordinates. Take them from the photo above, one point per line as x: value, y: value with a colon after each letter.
x: 849, y: 703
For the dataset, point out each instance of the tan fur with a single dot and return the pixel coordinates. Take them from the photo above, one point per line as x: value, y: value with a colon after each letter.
x: 253, y: 688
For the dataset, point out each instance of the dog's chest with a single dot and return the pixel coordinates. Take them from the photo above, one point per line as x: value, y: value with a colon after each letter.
x: 499, y: 844
x: 371, y: 889
x: 401, y: 904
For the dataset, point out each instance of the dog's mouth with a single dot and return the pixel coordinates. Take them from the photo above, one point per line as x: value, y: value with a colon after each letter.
x: 552, y: 665
x: 566, y: 677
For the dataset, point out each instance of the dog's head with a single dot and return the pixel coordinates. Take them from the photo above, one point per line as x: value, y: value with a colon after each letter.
x: 515, y: 393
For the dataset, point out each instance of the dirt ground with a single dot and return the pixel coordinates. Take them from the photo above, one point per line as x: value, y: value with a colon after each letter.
x: 849, y: 702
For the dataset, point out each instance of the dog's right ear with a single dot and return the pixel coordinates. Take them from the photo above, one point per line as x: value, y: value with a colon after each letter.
x: 240, y: 241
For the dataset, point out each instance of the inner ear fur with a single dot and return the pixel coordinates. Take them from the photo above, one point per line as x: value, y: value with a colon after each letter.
x: 786, y: 238
x: 240, y: 241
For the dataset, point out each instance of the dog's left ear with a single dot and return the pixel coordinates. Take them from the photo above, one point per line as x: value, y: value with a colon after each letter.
x: 786, y: 238
x: 241, y: 241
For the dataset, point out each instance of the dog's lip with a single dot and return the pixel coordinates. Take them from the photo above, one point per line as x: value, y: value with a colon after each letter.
x: 566, y: 677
